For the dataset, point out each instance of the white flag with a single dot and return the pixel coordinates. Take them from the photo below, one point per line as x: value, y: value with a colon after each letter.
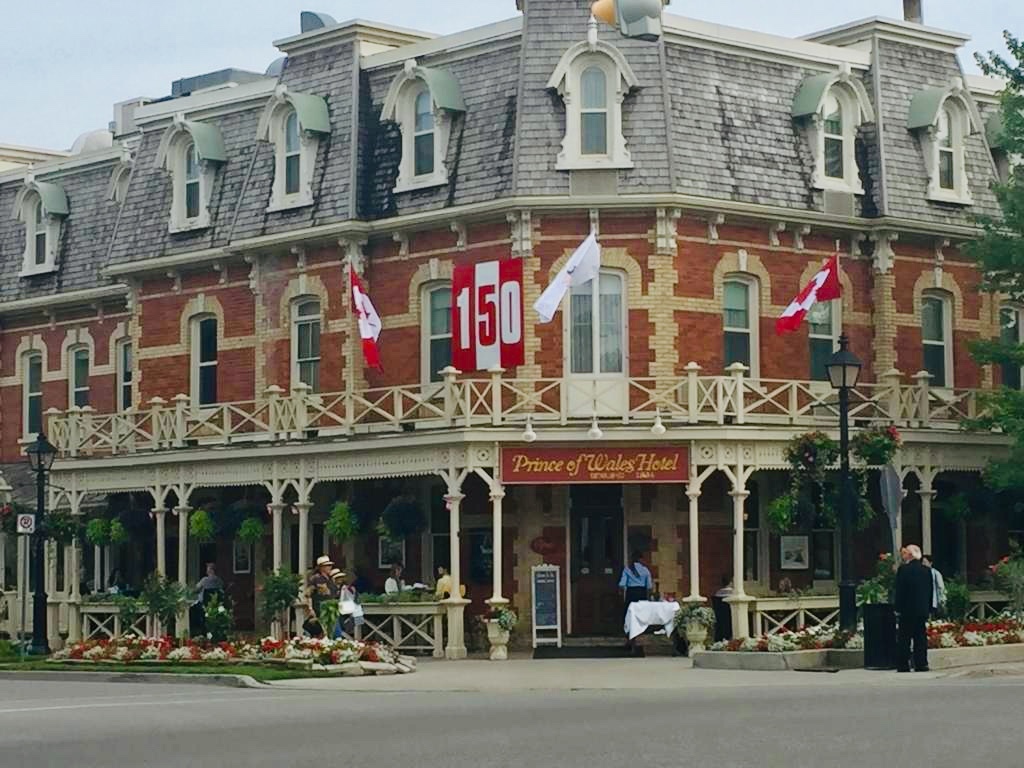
x: 583, y: 266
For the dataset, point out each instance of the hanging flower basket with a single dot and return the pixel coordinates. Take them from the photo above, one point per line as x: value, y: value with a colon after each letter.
x: 876, y: 446
x: 812, y: 453
x: 201, y: 527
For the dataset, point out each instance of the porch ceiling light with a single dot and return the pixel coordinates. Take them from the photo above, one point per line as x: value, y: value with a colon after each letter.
x: 594, y: 433
x: 528, y: 434
x: 658, y: 428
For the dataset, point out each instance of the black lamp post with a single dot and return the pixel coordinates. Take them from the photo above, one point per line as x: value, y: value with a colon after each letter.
x: 843, y: 371
x: 40, y: 457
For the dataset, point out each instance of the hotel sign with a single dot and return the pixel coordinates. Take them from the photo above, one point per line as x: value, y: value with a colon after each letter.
x: 547, y: 466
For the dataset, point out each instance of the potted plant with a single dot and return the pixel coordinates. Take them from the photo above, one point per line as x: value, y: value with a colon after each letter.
x: 695, y: 622
x: 500, y: 624
x: 279, y: 592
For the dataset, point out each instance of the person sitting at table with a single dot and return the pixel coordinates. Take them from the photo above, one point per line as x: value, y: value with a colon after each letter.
x: 394, y: 583
x: 211, y: 582
x: 636, y: 582
x: 116, y: 585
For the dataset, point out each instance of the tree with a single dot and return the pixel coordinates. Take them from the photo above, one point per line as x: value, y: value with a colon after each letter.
x: 999, y: 253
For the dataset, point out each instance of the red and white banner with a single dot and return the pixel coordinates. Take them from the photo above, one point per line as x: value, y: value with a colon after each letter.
x: 487, y: 315
x: 369, y: 320
x: 824, y: 287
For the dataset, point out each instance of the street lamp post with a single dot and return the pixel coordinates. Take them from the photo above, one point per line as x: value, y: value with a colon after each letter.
x: 40, y: 457
x: 843, y: 372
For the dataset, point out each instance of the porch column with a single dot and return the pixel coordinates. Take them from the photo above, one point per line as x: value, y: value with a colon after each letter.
x: 159, y: 513
x: 74, y: 593
x: 738, y: 600
x: 52, y: 601
x: 3, y: 561
x: 276, y: 513
x: 927, y: 493
x: 497, y: 496
x: 182, y: 514
x: 456, y: 605
x: 304, y: 559
x: 693, y: 494
x: 97, y: 568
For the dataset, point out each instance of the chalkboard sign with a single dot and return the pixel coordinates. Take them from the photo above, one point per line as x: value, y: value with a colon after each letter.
x: 547, y: 605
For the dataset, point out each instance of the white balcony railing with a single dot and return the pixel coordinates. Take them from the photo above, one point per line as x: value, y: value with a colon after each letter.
x: 493, y: 400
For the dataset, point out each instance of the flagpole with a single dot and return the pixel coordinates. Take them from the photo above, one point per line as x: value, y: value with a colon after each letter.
x: 839, y: 278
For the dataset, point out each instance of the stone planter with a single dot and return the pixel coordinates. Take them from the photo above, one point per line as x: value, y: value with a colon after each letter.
x: 696, y: 636
x: 498, y: 639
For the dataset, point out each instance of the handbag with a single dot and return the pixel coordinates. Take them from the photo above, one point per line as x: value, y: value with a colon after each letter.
x: 348, y: 607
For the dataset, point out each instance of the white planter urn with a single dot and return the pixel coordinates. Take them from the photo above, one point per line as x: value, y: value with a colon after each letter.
x: 696, y: 635
x: 498, y: 639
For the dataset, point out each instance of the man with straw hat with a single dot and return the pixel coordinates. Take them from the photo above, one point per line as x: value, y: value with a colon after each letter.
x: 319, y: 587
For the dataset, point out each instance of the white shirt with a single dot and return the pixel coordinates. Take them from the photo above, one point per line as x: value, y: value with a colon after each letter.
x: 392, y: 586
x: 938, y: 588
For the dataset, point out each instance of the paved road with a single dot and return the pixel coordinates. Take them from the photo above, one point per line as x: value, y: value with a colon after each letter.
x: 866, y: 723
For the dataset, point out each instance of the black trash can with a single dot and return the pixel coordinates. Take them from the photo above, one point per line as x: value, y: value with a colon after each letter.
x: 879, y: 636
x: 723, y: 618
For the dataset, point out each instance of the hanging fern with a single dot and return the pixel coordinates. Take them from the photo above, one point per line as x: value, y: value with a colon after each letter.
x: 201, y: 527
x: 251, y: 531
x: 403, y: 517
x: 342, y: 523
x: 118, y: 533
x: 97, y: 532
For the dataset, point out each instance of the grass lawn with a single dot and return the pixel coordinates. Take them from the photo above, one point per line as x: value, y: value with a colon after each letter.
x: 262, y: 673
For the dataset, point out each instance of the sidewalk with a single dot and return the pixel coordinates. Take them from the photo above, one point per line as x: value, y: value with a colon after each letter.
x: 524, y: 674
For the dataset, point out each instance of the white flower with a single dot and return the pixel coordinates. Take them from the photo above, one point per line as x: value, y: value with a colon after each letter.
x: 216, y: 654
x: 222, y: 609
x: 947, y: 640
x: 973, y: 639
x: 209, y: 636
x: 180, y: 654
x: 855, y: 643
x: 780, y: 643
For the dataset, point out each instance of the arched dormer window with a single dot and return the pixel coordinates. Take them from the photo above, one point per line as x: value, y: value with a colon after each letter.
x: 42, y: 207
x: 294, y: 124
x: 593, y: 78
x: 943, y: 119
x: 833, y: 106
x: 423, y: 101
x: 191, y: 152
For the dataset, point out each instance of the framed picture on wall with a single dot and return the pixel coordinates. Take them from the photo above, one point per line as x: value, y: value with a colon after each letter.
x: 389, y: 552
x: 795, y: 553
x: 241, y: 557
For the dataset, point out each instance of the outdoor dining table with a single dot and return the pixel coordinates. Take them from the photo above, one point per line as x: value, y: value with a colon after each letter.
x: 646, y: 613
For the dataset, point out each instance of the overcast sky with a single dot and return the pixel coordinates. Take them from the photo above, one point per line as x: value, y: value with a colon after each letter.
x: 65, y: 62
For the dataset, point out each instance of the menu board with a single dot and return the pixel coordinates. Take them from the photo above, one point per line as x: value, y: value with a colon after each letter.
x: 547, y: 605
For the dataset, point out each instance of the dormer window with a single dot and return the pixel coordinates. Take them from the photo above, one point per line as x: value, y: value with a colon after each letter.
x: 832, y: 107
x: 593, y: 78
x: 42, y: 207
x: 294, y: 123
x: 191, y: 152
x: 944, y: 119
x: 424, y: 102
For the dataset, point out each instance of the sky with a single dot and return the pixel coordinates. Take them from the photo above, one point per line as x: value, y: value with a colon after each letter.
x: 64, y: 81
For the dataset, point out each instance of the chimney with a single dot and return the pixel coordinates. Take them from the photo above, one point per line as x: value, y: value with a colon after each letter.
x: 913, y: 11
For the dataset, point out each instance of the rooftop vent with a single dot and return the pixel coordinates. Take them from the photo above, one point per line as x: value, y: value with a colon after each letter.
x: 224, y: 78
x: 913, y: 11
x: 124, y: 115
x: 311, y: 20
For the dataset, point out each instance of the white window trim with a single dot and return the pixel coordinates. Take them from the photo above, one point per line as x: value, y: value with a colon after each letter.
x: 74, y: 386
x: 26, y: 394
x: 836, y: 311
x: 947, y: 334
x: 853, y: 118
x: 309, y: 143
x: 595, y: 340
x: 119, y: 347
x: 178, y: 157
x: 298, y: 320
x: 753, y: 319
x: 405, y: 116
x: 961, y: 128
x: 426, y: 336
x: 620, y: 81
x: 27, y: 213
x: 194, y: 365
x: 1018, y: 313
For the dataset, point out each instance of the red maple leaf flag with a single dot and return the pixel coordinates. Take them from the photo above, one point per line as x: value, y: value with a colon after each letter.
x: 369, y: 320
x: 824, y: 287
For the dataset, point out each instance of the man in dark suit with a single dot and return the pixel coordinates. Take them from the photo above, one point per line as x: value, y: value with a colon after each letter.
x: 913, y: 600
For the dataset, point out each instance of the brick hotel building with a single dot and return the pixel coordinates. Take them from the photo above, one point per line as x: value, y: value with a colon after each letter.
x: 176, y: 317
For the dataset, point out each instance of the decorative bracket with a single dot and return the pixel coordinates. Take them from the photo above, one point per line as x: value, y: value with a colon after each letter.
x: 460, y: 234
x: 940, y: 259
x: 714, y: 223
x: 522, y: 234
x: 175, y: 276
x: 403, y: 244
x: 300, y: 258
x: 97, y: 307
x: 884, y: 254
x: 222, y: 271
x: 773, y: 233
x: 799, y: 235
x: 595, y: 222
x: 255, y: 275
x: 666, y: 231
x: 354, y: 253
x: 855, y: 240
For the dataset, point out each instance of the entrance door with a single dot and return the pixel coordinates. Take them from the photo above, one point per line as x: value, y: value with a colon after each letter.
x: 596, y: 531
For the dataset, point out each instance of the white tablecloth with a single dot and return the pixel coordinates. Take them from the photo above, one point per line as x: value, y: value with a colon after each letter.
x: 644, y: 614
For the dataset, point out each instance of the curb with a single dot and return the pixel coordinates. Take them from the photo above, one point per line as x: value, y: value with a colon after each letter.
x: 226, y: 681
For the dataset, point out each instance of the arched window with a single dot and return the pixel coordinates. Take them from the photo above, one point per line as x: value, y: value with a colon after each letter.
x: 947, y: 142
x: 598, y: 325
x: 436, y: 354
x: 593, y: 112
x: 306, y: 343
x: 835, y: 137
x: 822, y: 325
x: 204, y: 360
x: 39, y: 235
x: 936, y: 338
x: 78, y: 376
x: 740, y: 323
x: 125, y: 374
x: 423, y: 134
x: 292, y: 154
x: 192, y: 182
x: 32, y: 389
x: 1010, y: 333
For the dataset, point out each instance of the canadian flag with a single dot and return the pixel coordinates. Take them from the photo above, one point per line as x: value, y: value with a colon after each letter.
x: 369, y: 320
x: 824, y: 287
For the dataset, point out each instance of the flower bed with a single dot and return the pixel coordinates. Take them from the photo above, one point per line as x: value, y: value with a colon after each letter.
x: 1003, y: 630
x: 130, y: 648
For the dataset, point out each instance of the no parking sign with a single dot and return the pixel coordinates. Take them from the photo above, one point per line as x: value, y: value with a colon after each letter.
x: 26, y: 524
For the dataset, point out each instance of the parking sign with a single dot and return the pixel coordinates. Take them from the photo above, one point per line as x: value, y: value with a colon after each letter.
x: 26, y: 523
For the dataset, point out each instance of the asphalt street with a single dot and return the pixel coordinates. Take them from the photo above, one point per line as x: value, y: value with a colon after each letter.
x: 937, y: 723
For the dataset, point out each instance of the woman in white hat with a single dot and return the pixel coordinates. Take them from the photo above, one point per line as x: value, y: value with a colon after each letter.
x: 319, y: 587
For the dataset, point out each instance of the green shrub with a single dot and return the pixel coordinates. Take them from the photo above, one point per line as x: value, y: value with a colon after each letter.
x: 279, y: 592
x: 163, y: 599
x: 958, y: 600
